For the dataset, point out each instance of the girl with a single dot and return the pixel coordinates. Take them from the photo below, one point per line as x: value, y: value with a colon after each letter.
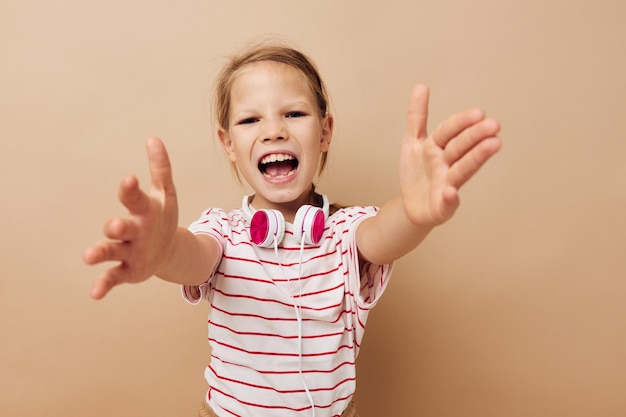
x: 290, y: 278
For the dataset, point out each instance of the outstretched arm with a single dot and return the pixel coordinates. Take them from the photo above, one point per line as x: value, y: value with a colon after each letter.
x: 432, y: 170
x: 148, y: 241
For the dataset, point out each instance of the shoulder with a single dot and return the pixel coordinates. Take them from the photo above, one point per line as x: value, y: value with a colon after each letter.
x: 218, y: 218
x: 352, y: 211
x: 221, y: 214
x: 350, y: 217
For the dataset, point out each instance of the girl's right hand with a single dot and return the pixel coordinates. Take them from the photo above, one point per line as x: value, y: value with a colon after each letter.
x: 141, y: 242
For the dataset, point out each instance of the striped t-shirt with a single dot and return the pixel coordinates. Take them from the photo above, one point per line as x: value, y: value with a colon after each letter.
x: 256, y: 368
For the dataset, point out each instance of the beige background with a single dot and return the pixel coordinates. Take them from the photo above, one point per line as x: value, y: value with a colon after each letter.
x: 516, y: 307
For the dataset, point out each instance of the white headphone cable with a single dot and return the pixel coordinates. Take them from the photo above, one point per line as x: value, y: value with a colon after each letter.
x: 298, y: 310
x: 297, y: 307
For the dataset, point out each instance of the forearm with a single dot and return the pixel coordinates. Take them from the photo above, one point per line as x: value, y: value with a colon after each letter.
x: 390, y: 234
x: 191, y: 258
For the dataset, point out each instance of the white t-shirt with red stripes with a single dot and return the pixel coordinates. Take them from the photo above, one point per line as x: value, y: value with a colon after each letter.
x: 259, y: 365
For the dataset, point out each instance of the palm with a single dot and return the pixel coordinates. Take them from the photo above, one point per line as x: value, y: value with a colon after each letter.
x: 434, y: 167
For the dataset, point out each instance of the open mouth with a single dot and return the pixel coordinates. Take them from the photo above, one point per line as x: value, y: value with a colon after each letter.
x: 278, y: 165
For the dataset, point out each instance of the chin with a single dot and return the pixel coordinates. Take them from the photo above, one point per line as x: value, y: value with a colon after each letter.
x: 284, y: 196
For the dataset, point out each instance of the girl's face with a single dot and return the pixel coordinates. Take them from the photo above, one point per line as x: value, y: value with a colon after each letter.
x: 276, y: 134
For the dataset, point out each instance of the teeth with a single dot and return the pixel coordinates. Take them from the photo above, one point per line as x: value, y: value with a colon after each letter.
x: 276, y: 157
x: 279, y: 177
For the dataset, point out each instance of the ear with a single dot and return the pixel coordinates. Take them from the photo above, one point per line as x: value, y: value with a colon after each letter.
x: 227, y: 144
x: 327, y: 132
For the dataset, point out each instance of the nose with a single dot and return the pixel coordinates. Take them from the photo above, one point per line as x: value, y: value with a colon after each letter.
x: 274, y: 129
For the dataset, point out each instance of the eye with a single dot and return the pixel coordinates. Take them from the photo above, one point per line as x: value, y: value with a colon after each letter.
x: 247, y: 121
x: 296, y: 114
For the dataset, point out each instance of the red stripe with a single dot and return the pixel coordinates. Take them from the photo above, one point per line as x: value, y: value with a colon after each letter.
x: 281, y: 280
x: 278, y: 407
x: 290, y: 318
x: 287, y: 372
x: 273, y: 301
x: 243, y: 333
x: 285, y: 354
x: 269, y: 388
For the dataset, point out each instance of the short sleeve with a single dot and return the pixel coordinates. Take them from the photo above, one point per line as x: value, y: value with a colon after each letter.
x: 210, y: 223
x: 365, y: 282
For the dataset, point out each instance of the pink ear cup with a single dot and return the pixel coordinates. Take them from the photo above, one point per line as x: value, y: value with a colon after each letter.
x: 309, y: 221
x: 267, y: 227
x: 317, y: 229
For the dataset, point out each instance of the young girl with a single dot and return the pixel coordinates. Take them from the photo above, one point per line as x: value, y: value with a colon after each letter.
x: 290, y: 278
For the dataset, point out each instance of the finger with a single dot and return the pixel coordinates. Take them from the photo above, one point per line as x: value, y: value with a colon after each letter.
x: 106, y: 281
x: 417, y: 114
x: 450, y: 201
x: 132, y: 197
x: 472, y: 161
x: 456, y: 124
x: 160, y: 167
x: 120, y: 229
x: 104, y: 252
x: 469, y: 138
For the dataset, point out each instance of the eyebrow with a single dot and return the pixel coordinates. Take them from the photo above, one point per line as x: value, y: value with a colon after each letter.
x: 298, y: 103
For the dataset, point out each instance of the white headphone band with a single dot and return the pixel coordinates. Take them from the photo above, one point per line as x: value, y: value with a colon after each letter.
x: 249, y: 210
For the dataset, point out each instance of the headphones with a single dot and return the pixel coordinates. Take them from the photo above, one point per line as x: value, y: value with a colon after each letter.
x: 267, y: 227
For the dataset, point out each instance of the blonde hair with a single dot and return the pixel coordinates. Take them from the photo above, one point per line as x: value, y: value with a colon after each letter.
x: 273, y: 52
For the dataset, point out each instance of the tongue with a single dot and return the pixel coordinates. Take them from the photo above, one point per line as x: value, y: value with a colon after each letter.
x: 278, y: 169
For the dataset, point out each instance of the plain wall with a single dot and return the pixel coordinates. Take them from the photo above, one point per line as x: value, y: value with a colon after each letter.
x: 516, y: 307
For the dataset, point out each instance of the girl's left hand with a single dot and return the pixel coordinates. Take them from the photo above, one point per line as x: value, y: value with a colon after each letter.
x: 434, y: 167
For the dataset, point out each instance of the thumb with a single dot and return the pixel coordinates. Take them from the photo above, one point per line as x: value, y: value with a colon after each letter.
x: 159, y: 164
x: 417, y: 114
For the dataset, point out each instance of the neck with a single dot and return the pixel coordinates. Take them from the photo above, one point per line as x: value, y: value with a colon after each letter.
x: 289, y: 209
